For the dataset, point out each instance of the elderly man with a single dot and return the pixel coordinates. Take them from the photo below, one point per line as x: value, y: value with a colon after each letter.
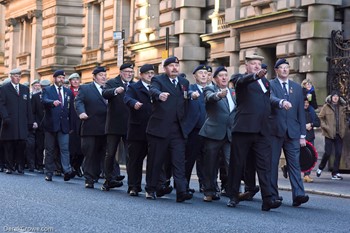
x: 59, y: 107
x: 116, y: 122
x: 165, y: 129
x: 16, y: 114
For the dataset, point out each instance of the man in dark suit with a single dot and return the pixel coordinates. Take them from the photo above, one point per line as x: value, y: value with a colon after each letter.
x: 217, y: 130
x: 193, y: 122
x: 38, y: 114
x: 138, y: 100
x: 16, y: 114
x: 59, y: 107
x: 116, y: 122
x: 288, y: 130
x: 251, y: 132
x: 165, y: 129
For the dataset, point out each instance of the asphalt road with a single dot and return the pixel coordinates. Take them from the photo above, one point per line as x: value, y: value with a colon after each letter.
x: 30, y: 204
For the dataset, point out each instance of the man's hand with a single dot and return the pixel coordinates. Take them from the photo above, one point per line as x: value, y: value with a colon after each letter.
x: 56, y: 103
x: 195, y: 95
x: 302, y: 142
x: 222, y: 93
x: 35, y: 125
x: 119, y: 90
x: 83, y: 116
x: 261, y: 73
x: 138, y: 105
x: 163, y: 96
x: 286, y: 105
x: 308, y: 126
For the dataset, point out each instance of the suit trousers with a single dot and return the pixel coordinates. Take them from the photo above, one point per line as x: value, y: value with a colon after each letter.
x: 30, y: 150
x: 111, y: 164
x: 39, y: 149
x: 194, y: 154
x: 14, y: 152
x: 338, y: 147
x: 242, y: 144
x: 159, y: 149
x: 212, y: 150
x: 291, y: 149
x: 94, y: 149
x: 52, y: 140
x: 137, y: 151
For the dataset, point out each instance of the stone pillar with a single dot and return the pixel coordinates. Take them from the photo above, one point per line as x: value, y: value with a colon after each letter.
x: 36, y: 48
x: 317, y: 32
x: 13, y: 35
x: 2, y: 41
x: 189, y: 27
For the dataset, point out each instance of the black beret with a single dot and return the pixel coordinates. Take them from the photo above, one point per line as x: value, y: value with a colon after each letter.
x: 126, y: 65
x: 170, y: 60
x: 200, y: 67
x: 146, y: 67
x: 264, y: 66
x: 209, y: 69
x: 280, y: 62
x: 58, y: 73
x: 99, y: 69
x: 218, y: 70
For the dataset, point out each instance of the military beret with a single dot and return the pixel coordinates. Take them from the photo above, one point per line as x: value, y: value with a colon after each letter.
x: 126, y: 65
x: 45, y: 82
x: 280, y: 62
x: 66, y: 81
x: 254, y: 57
x: 58, y: 73
x: 200, y: 67
x: 35, y: 81
x: 218, y: 70
x: 264, y: 66
x: 15, y: 71
x: 146, y: 67
x: 25, y: 84
x: 74, y: 75
x: 210, y: 69
x: 99, y: 69
x: 170, y: 60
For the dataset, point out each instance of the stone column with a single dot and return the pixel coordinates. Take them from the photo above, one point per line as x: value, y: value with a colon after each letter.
x: 36, y: 48
x: 317, y: 32
x: 13, y: 36
x: 189, y: 27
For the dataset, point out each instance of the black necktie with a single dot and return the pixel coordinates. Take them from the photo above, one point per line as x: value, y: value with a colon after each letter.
x: 174, y: 82
x: 17, y: 90
x: 60, y: 96
x: 285, y: 90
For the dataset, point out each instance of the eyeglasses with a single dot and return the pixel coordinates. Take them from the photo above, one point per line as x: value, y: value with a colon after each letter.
x: 283, y: 67
x: 128, y: 71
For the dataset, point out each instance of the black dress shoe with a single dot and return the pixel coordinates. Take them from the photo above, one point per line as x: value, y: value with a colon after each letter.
x: 267, y: 205
x: 151, y: 195
x: 181, y: 197
x: 133, y: 193
x: 110, y: 184
x: 216, y: 197
x: 48, y: 178
x: 164, y: 190
x: 300, y: 200
x: 280, y: 198
x: 232, y: 203
x: 120, y: 178
x: 89, y: 185
x: 191, y: 190
x: 9, y: 171
x: 68, y: 176
x: 284, y: 171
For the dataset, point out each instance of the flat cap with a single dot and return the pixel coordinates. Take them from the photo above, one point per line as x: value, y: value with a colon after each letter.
x: 218, y: 70
x: 25, y: 84
x: 45, y: 82
x: 126, y: 65
x: 35, y: 81
x: 59, y: 73
x: 254, y: 57
x: 99, y: 69
x: 170, y: 60
x: 146, y: 67
x: 263, y: 66
x: 280, y: 62
x: 15, y: 71
x: 200, y: 67
x: 74, y: 75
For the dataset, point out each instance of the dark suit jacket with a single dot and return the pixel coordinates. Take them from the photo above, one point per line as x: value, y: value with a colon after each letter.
x: 220, y: 119
x: 38, y: 110
x: 196, y: 114
x: 172, y: 110
x: 138, y: 119
x: 15, y: 111
x: 117, y: 113
x: 290, y: 121
x: 253, y: 105
x: 58, y: 118
x: 90, y: 101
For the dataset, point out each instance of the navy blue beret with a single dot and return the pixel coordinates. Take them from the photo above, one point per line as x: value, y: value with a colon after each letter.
x: 59, y: 73
x: 218, y: 70
x: 170, y: 60
x: 280, y: 62
x: 126, y: 65
x: 99, y: 69
x: 209, y: 69
x: 264, y: 66
x: 200, y: 67
x: 146, y: 67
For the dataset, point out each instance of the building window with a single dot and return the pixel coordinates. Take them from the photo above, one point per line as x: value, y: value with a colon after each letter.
x: 94, y: 25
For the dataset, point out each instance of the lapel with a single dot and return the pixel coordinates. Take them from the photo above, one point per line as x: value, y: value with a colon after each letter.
x: 279, y: 88
x: 223, y: 101
x: 139, y: 86
x: 97, y: 93
x: 13, y: 90
x: 169, y: 84
x: 54, y: 92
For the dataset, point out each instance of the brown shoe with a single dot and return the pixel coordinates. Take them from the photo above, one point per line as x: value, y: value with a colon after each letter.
x: 207, y: 198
